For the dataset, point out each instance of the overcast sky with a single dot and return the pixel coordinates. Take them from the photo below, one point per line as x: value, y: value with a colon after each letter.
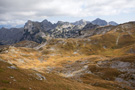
x: 17, y: 12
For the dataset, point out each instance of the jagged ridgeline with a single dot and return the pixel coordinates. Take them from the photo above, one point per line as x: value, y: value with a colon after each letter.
x: 40, y: 31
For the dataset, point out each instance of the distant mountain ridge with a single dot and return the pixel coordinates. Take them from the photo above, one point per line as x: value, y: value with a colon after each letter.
x: 10, y: 36
x: 40, y: 31
x: 81, y: 22
x: 101, y: 22
x: 113, y: 23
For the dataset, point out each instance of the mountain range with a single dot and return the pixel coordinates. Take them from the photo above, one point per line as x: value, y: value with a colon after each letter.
x: 39, y: 31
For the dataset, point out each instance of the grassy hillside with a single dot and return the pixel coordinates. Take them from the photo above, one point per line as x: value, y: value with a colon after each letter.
x: 104, y: 61
x: 14, y: 78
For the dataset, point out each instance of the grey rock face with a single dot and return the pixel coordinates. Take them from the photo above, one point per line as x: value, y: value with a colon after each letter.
x: 80, y: 22
x: 90, y: 26
x: 90, y: 30
x: 33, y: 32
x: 10, y: 36
x: 113, y: 23
x: 46, y: 25
x: 65, y: 30
x: 99, y: 22
x: 62, y: 23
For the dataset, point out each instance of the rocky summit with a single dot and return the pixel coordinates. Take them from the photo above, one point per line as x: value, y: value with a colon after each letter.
x: 113, y: 23
x: 99, y: 22
x: 82, y: 55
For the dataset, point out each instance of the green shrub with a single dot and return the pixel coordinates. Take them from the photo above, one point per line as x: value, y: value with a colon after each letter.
x: 5, y: 81
x: 1, y: 70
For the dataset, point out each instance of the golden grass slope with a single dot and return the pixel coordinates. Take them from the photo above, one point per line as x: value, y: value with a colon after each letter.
x: 26, y: 79
x: 57, y: 53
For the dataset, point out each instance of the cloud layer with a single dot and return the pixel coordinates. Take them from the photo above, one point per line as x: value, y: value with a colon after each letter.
x: 16, y: 12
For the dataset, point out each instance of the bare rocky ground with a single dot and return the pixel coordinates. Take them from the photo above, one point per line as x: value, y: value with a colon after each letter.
x: 120, y: 70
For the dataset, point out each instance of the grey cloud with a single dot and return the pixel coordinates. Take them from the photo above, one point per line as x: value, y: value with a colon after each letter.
x: 15, y: 10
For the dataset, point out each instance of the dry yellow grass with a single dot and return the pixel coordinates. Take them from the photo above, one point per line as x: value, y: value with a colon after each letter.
x: 25, y: 79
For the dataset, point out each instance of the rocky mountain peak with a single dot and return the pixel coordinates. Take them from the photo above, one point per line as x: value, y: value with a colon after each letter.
x: 99, y: 22
x: 98, y: 19
x: 45, y: 20
x: 29, y: 22
x: 113, y: 23
x: 62, y: 23
x: 46, y: 25
x: 80, y: 22
x: 28, y: 25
